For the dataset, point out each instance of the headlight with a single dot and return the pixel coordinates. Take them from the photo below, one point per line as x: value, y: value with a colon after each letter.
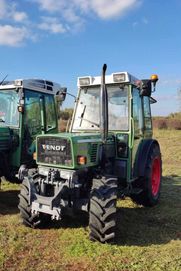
x: 118, y: 77
x: 84, y: 81
x: 81, y: 160
x: 18, y: 82
x: 122, y: 145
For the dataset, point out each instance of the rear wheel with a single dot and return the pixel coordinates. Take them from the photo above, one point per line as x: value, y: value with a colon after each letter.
x: 29, y: 219
x: 151, y: 183
x: 102, y: 213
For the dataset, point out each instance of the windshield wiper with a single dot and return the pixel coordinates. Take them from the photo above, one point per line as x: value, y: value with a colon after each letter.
x: 81, y: 117
x: 94, y: 123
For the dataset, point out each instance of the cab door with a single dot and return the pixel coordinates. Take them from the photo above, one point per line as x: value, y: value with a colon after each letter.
x: 137, y: 123
x: 39, y: 117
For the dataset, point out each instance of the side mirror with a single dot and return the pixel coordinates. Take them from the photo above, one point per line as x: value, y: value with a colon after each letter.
x: 145, y: 88
x: 61, y: 94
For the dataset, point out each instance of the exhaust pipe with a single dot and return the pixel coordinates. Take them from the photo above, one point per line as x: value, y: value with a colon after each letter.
x: 103, y: 107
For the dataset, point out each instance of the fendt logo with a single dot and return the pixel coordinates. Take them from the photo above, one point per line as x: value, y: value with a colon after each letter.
x: 53, y: 147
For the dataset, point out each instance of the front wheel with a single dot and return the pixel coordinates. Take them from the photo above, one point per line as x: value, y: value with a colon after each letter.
x: 29, y: 219
x: 102, y: 213
x: 151, y: 183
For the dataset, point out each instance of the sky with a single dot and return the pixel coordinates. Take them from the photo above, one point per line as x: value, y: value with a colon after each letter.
x: 60, y: 40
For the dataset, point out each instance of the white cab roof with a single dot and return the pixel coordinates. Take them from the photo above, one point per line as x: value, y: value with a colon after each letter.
x: 40, y: 85
x: 114, y: 78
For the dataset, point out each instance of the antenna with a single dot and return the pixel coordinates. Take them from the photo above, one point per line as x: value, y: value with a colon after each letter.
x: 3, y: 80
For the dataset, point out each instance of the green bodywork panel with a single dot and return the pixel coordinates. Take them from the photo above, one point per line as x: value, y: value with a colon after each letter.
x: 81, y: 144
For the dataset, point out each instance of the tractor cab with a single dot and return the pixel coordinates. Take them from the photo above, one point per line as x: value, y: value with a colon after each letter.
x: 128, y: 99
x: 27, y: 108
x: 125, y: 119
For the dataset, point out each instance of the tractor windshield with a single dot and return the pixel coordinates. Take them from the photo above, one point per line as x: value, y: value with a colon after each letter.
x: 87, y: 111
x: 9, y: 115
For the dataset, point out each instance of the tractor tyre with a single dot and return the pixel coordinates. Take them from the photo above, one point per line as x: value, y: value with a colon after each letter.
x: 29, y: 219
x: 151, y: 183
x: 102, y: 212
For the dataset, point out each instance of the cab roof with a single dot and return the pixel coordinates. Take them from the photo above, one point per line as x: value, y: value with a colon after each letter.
x: 40, y: 85
x: 114, y: 78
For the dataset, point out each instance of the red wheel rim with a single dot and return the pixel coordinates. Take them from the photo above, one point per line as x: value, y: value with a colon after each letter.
x: 156, y: 175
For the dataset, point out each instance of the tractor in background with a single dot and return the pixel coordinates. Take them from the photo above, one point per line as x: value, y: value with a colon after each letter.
x: 27, y: 108
x: 108, y: 153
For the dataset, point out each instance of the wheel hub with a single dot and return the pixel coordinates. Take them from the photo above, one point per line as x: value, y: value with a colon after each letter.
x: 156, y: 174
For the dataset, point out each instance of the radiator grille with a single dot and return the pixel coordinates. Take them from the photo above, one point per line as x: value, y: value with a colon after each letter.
x: 93, y: 155
x: 5, y: 144
x: 53, y: 150
x: 5, y: 138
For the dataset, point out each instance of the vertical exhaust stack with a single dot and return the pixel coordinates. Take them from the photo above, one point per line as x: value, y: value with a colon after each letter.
x: 103, y: 107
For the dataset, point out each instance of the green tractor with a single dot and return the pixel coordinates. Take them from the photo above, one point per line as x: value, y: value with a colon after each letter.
x: 108, y: 153
x: 27, y: 108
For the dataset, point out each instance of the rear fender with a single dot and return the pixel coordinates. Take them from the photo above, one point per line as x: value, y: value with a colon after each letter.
x: 142, y: 156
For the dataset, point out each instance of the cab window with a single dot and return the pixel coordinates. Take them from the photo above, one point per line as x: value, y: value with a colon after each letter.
x: 147, y: 113
x: 32, y: 116
x: 137, y: 112
x: 9, y: 100
x: 50, y: 112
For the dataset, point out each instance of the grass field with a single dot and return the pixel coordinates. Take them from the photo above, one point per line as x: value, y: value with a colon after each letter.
x: 147, y: 238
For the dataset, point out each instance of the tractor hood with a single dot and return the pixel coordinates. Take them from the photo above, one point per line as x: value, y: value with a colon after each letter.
x: 70, y: 150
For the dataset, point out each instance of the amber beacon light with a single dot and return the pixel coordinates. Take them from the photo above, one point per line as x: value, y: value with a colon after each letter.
x: 154, y: 78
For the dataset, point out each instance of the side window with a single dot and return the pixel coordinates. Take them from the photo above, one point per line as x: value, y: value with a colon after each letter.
x: 147, y: 113
x: 118, y: 108
x: 8, y: 108
x: 50, y: 112
x: 137, y: 111
x: 32, y: 116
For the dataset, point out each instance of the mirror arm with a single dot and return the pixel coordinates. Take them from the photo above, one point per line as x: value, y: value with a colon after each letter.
x: 71, y: 95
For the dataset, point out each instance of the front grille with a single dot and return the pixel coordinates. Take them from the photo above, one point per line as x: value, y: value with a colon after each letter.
x: 5, y: 144
x: 93, y: 155
x: 53, y: 150
x: 5, y: 138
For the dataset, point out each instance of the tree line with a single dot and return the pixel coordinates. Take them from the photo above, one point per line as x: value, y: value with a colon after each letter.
x: 172, y: 121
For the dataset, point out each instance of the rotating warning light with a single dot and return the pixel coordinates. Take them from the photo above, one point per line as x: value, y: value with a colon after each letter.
x: 154, y: 78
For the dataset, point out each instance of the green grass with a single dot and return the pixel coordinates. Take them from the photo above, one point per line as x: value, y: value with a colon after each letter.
x: 147, y: 238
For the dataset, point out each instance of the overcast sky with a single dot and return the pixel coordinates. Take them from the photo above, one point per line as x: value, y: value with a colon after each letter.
x: 60, y: 40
